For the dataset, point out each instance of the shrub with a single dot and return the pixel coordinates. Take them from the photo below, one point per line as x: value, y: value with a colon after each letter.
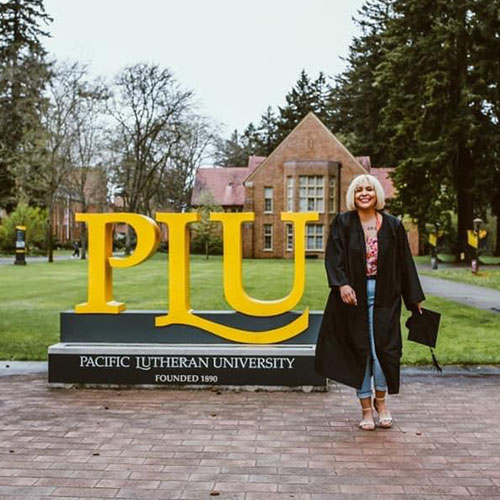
x: 214, y: 245
x: 35, y: 220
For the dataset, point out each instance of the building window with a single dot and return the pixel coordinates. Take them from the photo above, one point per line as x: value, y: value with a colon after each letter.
x: 311, y: 197
x: 331, y: 194
x: 268, y: 199
x: 289, y: 237
x: 314, y: 237
x: 289, y: 194
x: 268, y: 236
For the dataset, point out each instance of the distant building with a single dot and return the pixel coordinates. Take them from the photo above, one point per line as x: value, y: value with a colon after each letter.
x: 310, y: 170
x: 84, y: 187
x: 225, y: 184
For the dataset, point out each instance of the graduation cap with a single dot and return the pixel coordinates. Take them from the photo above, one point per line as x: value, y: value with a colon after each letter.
x: 423, y: 328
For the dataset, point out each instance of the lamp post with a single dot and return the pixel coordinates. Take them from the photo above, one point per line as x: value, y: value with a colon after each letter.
x: 475, y: 257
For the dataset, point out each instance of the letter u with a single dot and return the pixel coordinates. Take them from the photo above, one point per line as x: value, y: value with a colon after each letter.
x: 234, y: 291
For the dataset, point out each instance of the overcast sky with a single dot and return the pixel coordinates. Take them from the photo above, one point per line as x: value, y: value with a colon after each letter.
x: 238, y: 56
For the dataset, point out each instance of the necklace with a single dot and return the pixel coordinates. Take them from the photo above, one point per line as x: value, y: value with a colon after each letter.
x: 370, y: 226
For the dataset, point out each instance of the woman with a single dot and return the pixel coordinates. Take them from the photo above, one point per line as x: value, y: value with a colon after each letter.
x: 369, y: 267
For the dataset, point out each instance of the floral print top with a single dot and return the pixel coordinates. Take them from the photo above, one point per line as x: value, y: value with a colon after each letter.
x: 372, y: 252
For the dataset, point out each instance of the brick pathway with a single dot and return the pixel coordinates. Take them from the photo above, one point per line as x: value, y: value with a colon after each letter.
x: 189, y: 445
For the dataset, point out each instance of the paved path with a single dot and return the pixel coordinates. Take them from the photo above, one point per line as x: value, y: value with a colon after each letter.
x: 164, y: 444
x: 471, y: 295
x: 8, y: 368
x: 22, y: 367
x: 31, y: 260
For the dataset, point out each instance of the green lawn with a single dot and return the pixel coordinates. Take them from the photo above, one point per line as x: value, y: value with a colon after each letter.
x: 32, y: 297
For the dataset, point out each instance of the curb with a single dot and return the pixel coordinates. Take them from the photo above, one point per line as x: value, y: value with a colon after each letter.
x: 27, y: 367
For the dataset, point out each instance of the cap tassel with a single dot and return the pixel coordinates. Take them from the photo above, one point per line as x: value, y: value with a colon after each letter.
x: 435, y: 362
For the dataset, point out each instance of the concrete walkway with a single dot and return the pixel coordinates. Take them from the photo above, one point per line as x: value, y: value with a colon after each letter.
x: 22, y: 367
x: 167, y: 444
x: 8, y: 368
x: 471, y: 295
x: 32, y: 260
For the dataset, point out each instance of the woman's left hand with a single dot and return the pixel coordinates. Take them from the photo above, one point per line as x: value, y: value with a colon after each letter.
x: 419, y: 307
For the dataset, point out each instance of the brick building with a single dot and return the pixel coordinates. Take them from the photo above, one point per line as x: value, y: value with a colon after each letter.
x: 309, y: 171
x: 84, y: 190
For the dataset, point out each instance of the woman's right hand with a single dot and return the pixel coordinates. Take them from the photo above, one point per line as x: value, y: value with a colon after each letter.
x: 348, y: 295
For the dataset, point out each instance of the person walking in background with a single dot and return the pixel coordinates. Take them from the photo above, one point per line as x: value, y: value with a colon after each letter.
x: 76, y: 250
x: 369, y: 267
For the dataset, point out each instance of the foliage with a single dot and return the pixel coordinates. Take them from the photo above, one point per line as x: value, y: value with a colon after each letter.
x: 174, y: 188
x: 35, y: 220
x: 306, y: 95
x: 206, y: 234
x: 356, y: 100
x: 85, y: 181
x: 234, y: 152
x: 148, y: 106
x: 24, y: 74
x: 60, y: 121
x: 423, y: 86
x: 267, y: 134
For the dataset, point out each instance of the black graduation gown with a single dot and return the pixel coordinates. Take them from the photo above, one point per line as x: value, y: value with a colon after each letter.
x: 343, y: 345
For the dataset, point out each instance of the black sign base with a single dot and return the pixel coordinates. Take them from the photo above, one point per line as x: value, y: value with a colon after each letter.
x: 20, y: 259
x: 188, y: 366
x: 110, y: 350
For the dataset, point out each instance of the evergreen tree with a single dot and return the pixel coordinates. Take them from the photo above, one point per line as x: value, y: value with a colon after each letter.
x: 24, y: 73
x: 231, y: 152
x: 437, y: 119
x: 356, y: 100
x: 267, y: 133
x: 421, y: 92
x: 234, y: 152
x: 250, y: 140
x: 485, y: 47
x: 305, y: 96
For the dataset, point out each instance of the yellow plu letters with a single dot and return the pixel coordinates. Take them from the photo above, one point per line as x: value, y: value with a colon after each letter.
x: 101, y: 262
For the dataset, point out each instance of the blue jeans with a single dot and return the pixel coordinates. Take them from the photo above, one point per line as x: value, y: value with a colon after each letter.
x: 373, y: 368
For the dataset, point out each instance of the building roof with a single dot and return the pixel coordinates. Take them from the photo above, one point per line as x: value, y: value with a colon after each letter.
x: 365, y: 161
x: 224, y: 183
x: 383, y: 175
x: 308, y: 120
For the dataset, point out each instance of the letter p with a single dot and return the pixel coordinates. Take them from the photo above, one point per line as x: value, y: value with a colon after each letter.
x: 101, y: 260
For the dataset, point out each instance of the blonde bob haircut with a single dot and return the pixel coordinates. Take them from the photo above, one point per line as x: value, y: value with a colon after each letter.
x: 365, y: 179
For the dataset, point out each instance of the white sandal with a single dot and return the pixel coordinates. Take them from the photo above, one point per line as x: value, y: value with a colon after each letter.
x: 384, y: 416
x: 367, y: 424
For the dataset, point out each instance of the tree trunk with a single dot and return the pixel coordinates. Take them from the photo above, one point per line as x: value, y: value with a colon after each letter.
x: 128, y: 240
x: 495, y: 210
x: 465, y: 202
x: 83, y: 239
x: 50, y: 237
x: 206, y: 249
x: 465, y: 217
x: 497, y: 246
x: 464, y: 163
